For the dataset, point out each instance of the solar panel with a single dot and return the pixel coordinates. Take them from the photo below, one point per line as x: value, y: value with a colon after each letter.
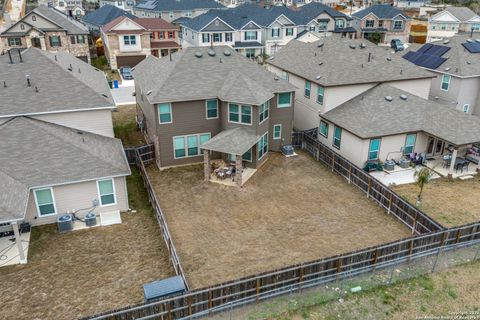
x: 425, y: 47
x: 472, y: 47
x: 411, y: 56
x: 432, y: 62
x: 437, y: 50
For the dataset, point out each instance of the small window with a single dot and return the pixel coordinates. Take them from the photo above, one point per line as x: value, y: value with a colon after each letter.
x: 165, y: 113
x: 45, y: 202
x: 262, y: 146
x: 466, y: 108
x: 445, y: 82
x: 277, y: 132
x: 337, y: 137
x: 73, y: 40
x: 398, y: 24
x: 228, y: 37
x: 81, y: 39
x: 340, y: 23
x: 374, y: 149
x: 275, y: 32
x: 188, y: 13
x: 212, y: 109
x: 409, y: 143
x: 289, y: 32
x: 34, y: 18
x: 322, y: 26
x: 106, y: 192
x: 380, y: 23
x: 308, y: 86
x: 160, y: 35
x: 205, y: 37
x: 311, y: 28
x: 324, y: 128
x: 263, y: 111
x: 369, y: 23
x: 22, y: 26
x: 284, y: 75
x: 247, y: 156
x: 171, y: 35
x: 320, y: 95
x: 284, y: 100
x: 55, y: 41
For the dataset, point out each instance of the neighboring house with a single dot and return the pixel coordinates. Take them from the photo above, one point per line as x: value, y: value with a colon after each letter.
x: 253, y: 30
x: 128, y: 41
x: 50, y: 30
x: 456, y: 64
x: 58, y: 151
x: 411, y: 4
x: 382, y: 20
x: 126, y: 5
x: 71, y: 8
x: 170, y: 10
x: 451, y: 21
x: 212, y: 99
x: 100, y: 17
x: 334, y: 70
x: 387, y: 122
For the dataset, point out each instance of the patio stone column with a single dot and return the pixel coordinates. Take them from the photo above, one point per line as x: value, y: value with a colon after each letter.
x: 452, y: 163
x: 207, y: 169
x: 238, y: 170
x: 18, y: 241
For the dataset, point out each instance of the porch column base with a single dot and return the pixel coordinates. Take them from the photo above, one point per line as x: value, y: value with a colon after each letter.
x: 18, y: 241
x: 238, y: 170
x: 207, y: 169
x: 452, y: 163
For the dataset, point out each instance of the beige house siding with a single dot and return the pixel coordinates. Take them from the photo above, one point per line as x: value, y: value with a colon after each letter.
x: 418, y: 87
x: 76, y: 196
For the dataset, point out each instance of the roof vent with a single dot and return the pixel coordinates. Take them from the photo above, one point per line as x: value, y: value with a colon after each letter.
x: 389, y: 59
x: 469, y: 40
x: 320, y: 63
x: 403, y: 97
x: 352, y: 46
x: 198, y: 54
x: 468, y: 62
x: 211, y: 53
x: 447, y: 69
x: 227, y: 53
x: 320, y: 45
x: 276, y: 77
x: 446, y: 41
x: 318, y: 77
x: 149, y: 92
x: 389, y: 98
x: 103, y: 94
x: 363, y: 45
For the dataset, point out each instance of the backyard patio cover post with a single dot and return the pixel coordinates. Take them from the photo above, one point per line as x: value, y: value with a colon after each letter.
x: 235, y: 141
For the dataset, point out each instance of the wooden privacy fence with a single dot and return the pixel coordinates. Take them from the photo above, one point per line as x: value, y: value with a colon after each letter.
x: 414, y: 218
x: 147, y: 153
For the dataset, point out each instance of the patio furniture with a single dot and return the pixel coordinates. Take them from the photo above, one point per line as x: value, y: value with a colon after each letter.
x: 461, y: 164
x: 446, y: 161
x: 373, y: 166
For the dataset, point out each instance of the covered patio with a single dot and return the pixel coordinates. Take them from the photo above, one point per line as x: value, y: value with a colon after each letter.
x: 236, y: 149
x: 14, y: 243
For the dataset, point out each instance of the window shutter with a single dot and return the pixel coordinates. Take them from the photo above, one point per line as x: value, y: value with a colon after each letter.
x: 59, y: 41
x: 50, y: 39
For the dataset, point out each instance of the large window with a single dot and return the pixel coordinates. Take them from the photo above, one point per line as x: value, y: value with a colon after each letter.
x: 212, y: 109
x: 217, y: 37
x: 205, y: 37
x: 129, y: 40
x: 324, y: 128
x: 410, y: 143
x: 445, y: 82
x: 250, y: 53
x: 45, y: 202
x: 14, y: 41
x: 55, y: 41
x: 263, y: 111
x: 165, y: 113
x: 337, y: 137
x: 374, y: 150
x: 369, y: 23
x: 189, y: 146
x: 250, y: 35
x: 308, y: 86
x: 284, y: 100
x: 289, y: 32
x: 275, y: 32
x: 340, y: 23
x: 398, y: 24
x: 106, y: 192
x: 320, y: 94
x: 277, y: 132
x: 262, y: 145
x: 239, y: 113
x: 322, y: 26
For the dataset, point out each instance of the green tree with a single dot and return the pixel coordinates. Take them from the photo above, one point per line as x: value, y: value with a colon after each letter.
x: 422, y: 177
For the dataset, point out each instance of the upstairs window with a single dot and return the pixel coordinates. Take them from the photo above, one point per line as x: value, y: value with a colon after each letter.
x: 284, y: 100
x: 337, y: 137
x: 466, y: 108
x: 340, y: 23
x: 250, y: 35
x: 320, y: 95
x: 212, y: 109
x: 275, y: 32
x: 129, y: 40
x: 398, y: 25
x: 239, y: 113
x: 171, y: 35
x: 171, y: 15
x: 308, y: 86
x: 263, y: 111
x: 322, y: 26
x: 323, y: 128
x: 445, y: 82
x: 165, y: 113
x: 311, y: 28
x: 188, y: 13
x: 369, y: 23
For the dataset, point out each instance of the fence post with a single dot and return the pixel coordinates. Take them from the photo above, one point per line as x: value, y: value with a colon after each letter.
x: 390, y: 204
x: 476, y: 254
x: 369, y: 186
x: 414, y: 225
x: 339, y: 268
x: 333, y: 161
x: 209, y: 301
x: 258, y: 290
x: 189, y: 305
x: 439, y: 250
x: 350, y: 174
x: 374, y: 262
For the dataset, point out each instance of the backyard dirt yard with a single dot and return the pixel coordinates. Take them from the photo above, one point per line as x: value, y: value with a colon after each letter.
x: 450, y: 202
x: 292, y: 210
x: 125, y: 127
x: 85, y: 272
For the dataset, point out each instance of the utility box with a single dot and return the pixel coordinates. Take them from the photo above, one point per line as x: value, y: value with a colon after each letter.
x: 65, y: 223
x: 163, y: 288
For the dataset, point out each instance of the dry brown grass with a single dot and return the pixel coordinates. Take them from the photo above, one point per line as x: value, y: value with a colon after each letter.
x: 450, y: 202
x: 292, y: 210
x: 85, y: 272
x: 125, y: 126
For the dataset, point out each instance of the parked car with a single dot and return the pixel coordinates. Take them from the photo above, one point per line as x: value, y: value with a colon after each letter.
x: 126, y: 73
x: 397, y: 45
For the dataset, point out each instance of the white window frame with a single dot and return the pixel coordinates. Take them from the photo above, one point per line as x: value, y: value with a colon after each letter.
x: 287, y: 33
x: 185, y: 141
x: 171, y: 113
x: 280, y: 132
x: 171, y: 14
x: 220, y: 37
x: 228, y: 36
x: 320, y: 89
x: 249, y: 33
x: 283, y: 105
x: 203, y: 37
x: 395, y: 22
x: 240, y: 112
x: 335, y: 138
x: 129, y: 37
x: 206, y: 109
x: 309, y: 89
x: 37, y: 206
x: 100, y: 196
x: 377, y: 151
x: 367, y: 21
x: 275, y: 32
x: 443, y: 81
x: 258, y: 144
x: 264, y: 108
x: 320, y: 130
x: 466, y: 107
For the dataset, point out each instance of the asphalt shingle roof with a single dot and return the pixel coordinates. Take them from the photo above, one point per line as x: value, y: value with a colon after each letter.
x: 105, y: 14
x: 336, y: 63
x: 461, y: 13
x: 234, y: 141
x: 382, y: 11
x: 37, y: 153
x: 177, y: 5
x: 59, y: 89
x: 370, y: 115
x: 232, y: 78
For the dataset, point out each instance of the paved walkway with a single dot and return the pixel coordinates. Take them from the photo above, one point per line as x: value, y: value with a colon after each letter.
x: 123, y: 95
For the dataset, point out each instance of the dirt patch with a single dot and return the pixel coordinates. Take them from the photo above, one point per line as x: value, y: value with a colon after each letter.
x: 125, y: 126
x: 292, y: 210
x: 450, y: 202
x: 86, y: 272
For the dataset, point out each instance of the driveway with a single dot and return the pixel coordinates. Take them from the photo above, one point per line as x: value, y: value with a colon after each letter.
x: 123, y: 95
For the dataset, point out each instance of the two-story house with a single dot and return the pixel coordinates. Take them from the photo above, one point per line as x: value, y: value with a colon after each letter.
x: 334, y: 70
x: 50, y: 30
x: 451, y: 21
x: 58, y: 155
x: 207, y: 103
x: 97, y: 19
x: 128, y: 41
x: 170, y: 10
x: 382, y: 23
x: 126, y: 5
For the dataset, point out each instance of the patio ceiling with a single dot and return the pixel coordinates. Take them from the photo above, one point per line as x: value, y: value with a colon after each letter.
x: 234, y: 141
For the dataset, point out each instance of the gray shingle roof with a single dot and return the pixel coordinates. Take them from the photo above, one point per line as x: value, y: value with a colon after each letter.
x: 234, y: 141
x: 342, y: 65
x: 461, y: 13
x: 382, y: 11
x: 105, y: 14
x: 177, y: 5
x: 71, y: 25
x: 370, y: 115
x: 58, y: 88
x: 187, y: 77
x: 37, y: 153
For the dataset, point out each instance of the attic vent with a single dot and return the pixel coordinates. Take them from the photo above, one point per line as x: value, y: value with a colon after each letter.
x: 363, y: 45
x: 352, y: 46
x: 149, y: 92
x: 446, y: 41
x: 227, y: 53
x: 389, y: 98
x: 403, y: 97
x: 318, y: 77
x: 198, y: 54
x: 211, y: 53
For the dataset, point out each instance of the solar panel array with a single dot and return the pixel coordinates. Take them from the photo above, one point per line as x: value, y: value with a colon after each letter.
x: 472, y: 47
x: 428, y: 56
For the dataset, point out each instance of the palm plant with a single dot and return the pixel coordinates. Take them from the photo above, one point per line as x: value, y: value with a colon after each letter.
x: 422, y: 177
